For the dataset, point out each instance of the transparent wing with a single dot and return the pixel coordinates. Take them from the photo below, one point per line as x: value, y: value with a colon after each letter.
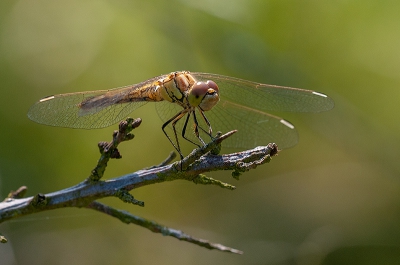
x: 103, y: 107
x: 265, y: 97
x: 255, y: 128
x: 64, y: 111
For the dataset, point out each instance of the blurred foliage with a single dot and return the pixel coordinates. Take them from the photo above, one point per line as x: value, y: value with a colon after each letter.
x: 333, y: 199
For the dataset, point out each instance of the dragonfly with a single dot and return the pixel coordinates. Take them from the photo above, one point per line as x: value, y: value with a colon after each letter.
x: 190, y: 101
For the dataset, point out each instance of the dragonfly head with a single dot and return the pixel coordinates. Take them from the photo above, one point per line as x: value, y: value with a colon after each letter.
x: 204, y: 95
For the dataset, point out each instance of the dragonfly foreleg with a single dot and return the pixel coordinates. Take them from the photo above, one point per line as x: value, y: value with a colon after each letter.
x: 196, y: 129
x: 208, y: 124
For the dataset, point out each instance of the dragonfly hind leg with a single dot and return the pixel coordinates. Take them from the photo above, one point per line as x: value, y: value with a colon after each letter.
x: 174, y: 120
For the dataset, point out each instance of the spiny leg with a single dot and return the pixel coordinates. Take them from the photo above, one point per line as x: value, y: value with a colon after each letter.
x: 174, y: 119
x: 208, y: 124
x: 196, y: 129
x: 176, y: 135
x: 184, y: 130
x: 216, y: 150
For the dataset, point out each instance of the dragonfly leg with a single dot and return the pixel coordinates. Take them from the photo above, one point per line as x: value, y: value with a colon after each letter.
x: 196, y: 129
x: 208, y: 124
x: 174, y: 120
x: 184, y: 131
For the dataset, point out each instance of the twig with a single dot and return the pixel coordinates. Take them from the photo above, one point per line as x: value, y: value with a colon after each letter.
x: 168, y: 160
x: 128, y: 218
x: 109, y: 150
x: 19, y: 193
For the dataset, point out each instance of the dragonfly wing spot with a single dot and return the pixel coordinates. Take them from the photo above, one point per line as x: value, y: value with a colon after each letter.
x: 287, y: 124
x: 46, y: 98
x: 320, y: 94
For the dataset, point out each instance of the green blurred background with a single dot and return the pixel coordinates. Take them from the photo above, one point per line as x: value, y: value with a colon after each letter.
x: 332, y: 199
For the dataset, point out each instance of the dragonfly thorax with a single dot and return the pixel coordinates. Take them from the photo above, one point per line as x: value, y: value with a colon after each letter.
x: 175, y: 86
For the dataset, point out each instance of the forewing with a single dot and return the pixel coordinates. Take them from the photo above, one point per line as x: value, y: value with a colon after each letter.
x: 265, y: 97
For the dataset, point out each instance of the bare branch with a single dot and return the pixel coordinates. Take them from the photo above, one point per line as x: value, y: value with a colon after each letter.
x: 190, y: 168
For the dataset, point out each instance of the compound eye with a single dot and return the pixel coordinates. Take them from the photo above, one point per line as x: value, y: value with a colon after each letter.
x: 199, y: 89
x: 213, y: 85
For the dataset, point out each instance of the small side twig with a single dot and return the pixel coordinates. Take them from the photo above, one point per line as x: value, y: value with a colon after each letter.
x: 110, y: 150
x: 128, y: 218
x: 19, y: 193
x: 168, y: 160
x: 125, y: 196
